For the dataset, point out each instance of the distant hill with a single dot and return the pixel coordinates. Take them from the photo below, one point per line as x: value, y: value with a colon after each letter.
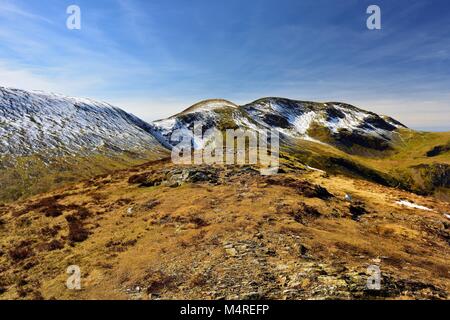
x: 48, y: 140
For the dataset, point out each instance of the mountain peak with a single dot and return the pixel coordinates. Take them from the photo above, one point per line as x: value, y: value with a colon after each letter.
x: 336, y: 123
x: 209, y: 104
x: 34, y: 121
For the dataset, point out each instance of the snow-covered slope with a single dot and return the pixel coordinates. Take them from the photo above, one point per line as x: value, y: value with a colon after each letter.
x: 338, y: 123
x: 218, y: 113
x: 51, y: 124
x: 296, y: 117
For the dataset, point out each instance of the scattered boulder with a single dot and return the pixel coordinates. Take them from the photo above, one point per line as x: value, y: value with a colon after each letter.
x: 175, y: 177
x: 303, y: 250
x: 357, y: 210
x: 146, y: 179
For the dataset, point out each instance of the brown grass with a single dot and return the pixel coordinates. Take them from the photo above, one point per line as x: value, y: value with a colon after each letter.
x: 173, y: 245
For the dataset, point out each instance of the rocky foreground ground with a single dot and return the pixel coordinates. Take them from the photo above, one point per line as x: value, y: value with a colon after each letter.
x: 160, y: 231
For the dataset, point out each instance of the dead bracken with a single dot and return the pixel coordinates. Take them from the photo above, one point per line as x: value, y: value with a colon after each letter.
x: 228, y: 233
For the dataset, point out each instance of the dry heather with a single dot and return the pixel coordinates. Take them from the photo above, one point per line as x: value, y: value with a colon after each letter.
x: 159, y: 231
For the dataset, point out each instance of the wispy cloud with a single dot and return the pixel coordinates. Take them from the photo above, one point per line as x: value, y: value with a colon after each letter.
x: 157, y: 57
x: 8, y: 8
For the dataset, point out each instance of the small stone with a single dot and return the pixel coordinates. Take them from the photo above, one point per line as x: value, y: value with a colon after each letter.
x: 289, y: 291
x: 231, y: 252
x: 154, y: 296
x: 303, y: 250
x: 259, y: 236
x: 282, y: 267
x: 302, y: 284
x: 263, y: 185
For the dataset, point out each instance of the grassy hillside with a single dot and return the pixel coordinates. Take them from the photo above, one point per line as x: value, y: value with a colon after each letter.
x: 418, y: 161
x: 24, y: 176
x: 160, y: 231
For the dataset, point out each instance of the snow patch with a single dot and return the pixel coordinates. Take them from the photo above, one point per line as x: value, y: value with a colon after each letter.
x: 412, y: 205
x: 303, y: 122
x: 314, y: 169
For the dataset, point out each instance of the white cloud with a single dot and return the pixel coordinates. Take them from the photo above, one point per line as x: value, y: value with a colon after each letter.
x: 24, y: 79
x: 150, y: 109
x: 412, y: 113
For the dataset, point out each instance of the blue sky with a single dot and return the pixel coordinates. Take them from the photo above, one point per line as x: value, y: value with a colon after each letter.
x: 155, y: 58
